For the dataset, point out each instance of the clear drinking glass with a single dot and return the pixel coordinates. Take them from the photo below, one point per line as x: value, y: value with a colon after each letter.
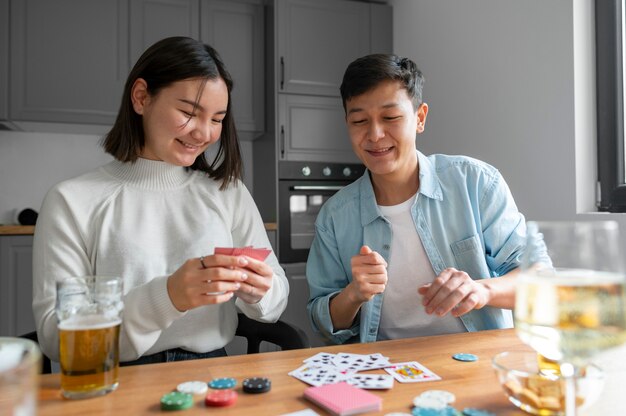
x: 20, y: 364
x: 571, y: 304
x: 89, y: 311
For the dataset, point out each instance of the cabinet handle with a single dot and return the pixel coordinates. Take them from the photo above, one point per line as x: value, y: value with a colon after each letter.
x: 282, y: 73
x: 282, y: 142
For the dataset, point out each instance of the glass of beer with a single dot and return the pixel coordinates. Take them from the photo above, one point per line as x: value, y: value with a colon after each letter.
x: 89, y: 312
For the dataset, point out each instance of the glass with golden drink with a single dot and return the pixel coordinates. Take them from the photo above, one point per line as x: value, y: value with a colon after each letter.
x: 89, y: 313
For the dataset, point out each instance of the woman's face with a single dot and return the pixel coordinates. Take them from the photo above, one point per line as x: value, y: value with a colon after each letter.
x: 175, y: 132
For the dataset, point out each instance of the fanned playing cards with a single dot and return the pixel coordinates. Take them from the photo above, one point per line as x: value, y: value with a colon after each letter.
x: 343, y: 399
x: 256, y: 253
x: 325, y: 368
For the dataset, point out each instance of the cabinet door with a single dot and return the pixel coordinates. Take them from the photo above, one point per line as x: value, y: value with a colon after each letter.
x: 313, y: 128
x: 381, y: 28
x: 16, y: 285
x: 236, y: 30
x: 68, y: 60
x: 296, y: 313
x: 4, y: 59
x: 316, y: 40
x: 153, y: 20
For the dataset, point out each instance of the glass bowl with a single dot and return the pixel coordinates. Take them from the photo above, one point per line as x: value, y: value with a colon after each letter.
x: 543, y: 393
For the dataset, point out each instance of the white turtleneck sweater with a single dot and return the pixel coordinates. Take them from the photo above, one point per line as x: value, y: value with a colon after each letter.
x: 142, y: 221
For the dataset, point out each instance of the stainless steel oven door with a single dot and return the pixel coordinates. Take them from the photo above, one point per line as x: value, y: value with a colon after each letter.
x: 299, y: 202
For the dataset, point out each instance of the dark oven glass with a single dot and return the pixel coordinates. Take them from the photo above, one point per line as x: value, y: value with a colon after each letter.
x: 299, y: 204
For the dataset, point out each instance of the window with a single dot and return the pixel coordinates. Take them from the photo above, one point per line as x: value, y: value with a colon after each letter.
x: 610, y: 55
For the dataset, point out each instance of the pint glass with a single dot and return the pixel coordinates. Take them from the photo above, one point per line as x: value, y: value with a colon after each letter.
x: 89, y: 311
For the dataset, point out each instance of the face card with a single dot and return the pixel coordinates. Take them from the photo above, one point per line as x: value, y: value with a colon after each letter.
x: 371, y: 381
x: 411, y: 372
x: 317, y: 376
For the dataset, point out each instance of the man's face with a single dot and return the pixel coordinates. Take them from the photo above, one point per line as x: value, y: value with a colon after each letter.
x: 382, y: 124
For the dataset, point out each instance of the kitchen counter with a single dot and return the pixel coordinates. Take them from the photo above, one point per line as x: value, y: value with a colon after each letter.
x: 17, y: 229
x: 30, y: 229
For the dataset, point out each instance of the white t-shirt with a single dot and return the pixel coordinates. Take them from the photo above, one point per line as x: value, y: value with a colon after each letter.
x: 403, y: 315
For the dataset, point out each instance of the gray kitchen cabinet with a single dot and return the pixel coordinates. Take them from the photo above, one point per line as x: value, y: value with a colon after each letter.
x: 316, y: 40
x: 152, y: 20
x: 68, y: 60
x: 4, y: 59
x: 296, y: 313
x: 313, y: 128
x: 16, y: 285
x: 236, y: 30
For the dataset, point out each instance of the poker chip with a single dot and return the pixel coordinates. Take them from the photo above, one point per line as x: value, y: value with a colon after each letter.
x: 465, y: 357
x: 256, y: 385
x: 176, y: 401
x: 220, y: 398
x: 469, y: 411
x: 426, y: 411
x: 397, y: 414
x: 426, y: 402
x: 192, y: 387
x: 442, y: 395
x: 223, y: 383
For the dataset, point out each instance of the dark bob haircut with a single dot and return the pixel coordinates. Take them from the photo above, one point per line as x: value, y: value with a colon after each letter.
x: 367, y: 72
x: 168, y: 61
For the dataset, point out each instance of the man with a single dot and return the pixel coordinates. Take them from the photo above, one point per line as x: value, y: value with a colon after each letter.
x: 418, y: 245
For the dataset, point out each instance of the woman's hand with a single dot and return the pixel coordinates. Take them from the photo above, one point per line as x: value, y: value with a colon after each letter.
x: 453, y: 291
x: 258, y: 281
x: 194, y: 285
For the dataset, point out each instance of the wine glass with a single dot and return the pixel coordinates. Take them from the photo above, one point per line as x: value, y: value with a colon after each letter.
x: 571, y: 295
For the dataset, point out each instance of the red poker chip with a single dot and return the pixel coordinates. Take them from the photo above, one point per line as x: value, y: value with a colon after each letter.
x: 220, y: 398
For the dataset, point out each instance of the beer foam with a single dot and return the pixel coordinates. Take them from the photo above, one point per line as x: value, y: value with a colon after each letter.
x: 79, y: 323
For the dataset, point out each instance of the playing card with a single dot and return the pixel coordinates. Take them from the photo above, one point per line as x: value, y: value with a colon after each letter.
x: 360, y: 362
x: 256, y: 253
x: 411, y: 372
x: 317, y: 376
x: 371, y: 381
x: 320, y: 358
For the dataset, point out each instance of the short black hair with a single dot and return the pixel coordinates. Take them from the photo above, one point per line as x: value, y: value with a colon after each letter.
x: 167, y: 61
x: 367, y: 72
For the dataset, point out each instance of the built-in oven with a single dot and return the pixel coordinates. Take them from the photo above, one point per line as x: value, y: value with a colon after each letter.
x: 303, y: 187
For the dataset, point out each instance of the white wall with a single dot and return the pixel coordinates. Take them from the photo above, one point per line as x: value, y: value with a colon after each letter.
x: 31, y: 163
x: 510, y: 82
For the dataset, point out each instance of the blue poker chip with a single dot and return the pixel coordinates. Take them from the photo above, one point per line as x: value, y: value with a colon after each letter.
x: 429, y: 411
x: 223, y: 383
x: 462, y: 356
x: 469, y: 411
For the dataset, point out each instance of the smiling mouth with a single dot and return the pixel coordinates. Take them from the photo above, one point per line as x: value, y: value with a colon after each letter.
x: 189, y: 145
x: 381, y: 151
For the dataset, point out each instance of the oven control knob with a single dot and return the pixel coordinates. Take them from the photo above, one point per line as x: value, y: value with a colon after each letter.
x: 306, y: 171
x: 347, y: 171
x: 326, y: 171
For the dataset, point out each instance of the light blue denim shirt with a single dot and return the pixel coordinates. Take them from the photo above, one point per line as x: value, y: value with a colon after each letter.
x: 466, y: 218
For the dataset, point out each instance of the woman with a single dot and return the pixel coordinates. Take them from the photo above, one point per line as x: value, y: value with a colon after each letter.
x: 156, y: 213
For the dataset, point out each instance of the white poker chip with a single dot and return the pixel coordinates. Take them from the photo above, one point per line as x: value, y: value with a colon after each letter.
x: 429, y: 402
x: 444, y: 396
x: 193, y: 387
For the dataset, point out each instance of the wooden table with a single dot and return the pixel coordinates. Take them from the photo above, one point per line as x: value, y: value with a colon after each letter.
x: 141, y: 387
